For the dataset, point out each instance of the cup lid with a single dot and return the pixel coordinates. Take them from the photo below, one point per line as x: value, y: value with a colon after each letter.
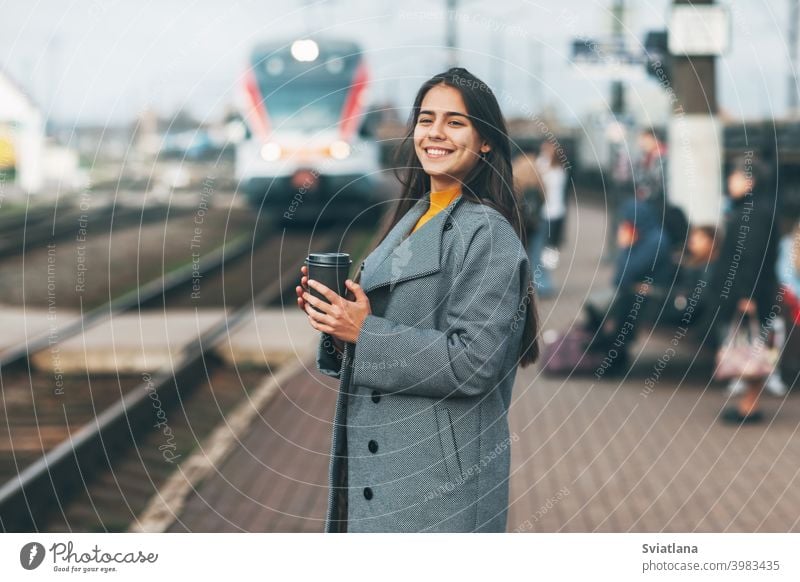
x: 334, y: 259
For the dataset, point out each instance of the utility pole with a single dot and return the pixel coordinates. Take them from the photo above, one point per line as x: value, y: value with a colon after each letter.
x: 794, y: 17
x: 695, y: 135
x: 618, y: 40
x: 451, y: 32
x: 694, y: 77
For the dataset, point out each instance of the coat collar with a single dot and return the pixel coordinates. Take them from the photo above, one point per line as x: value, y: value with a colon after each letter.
x: 400, y: 257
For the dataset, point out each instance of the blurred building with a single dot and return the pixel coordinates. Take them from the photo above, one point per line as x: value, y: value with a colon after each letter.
x: 21, y: 137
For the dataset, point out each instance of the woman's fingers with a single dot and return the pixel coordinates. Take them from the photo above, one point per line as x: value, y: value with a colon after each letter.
x: 304, y: 277
x: 321, y: 327
x: 323, y: 306
x: 318, y: 321
x: 302, y: 288
x: 327, y: 293
x: 300, y: 301
x: 322, y: 311
x: 356, y: 290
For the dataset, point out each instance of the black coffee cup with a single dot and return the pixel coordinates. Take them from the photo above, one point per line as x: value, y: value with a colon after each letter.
x: 330, y: 269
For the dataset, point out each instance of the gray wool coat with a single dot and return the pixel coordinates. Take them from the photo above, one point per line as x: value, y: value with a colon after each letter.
x: 420, y: 435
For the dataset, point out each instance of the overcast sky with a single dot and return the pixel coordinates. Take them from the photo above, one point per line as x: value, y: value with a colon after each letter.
x: 102, y: 61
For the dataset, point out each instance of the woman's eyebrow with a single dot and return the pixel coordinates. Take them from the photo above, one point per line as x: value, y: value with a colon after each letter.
x: 446, y: 113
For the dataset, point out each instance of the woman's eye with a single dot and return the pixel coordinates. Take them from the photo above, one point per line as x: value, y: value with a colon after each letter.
x: 456, y: 123
x: 423, y: 121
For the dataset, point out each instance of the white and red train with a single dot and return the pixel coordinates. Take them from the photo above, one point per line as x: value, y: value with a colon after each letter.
x: 305, y: 153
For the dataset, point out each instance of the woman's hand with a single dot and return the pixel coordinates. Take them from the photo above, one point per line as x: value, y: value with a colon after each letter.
x: 302, y: 287
x: 300, y: 290
x: 340, y: 318
x: 747, y: 306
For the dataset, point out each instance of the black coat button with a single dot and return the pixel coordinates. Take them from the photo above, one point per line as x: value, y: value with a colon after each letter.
x: 376, y: 396
x: 367, y: 493
x: 372, y: 446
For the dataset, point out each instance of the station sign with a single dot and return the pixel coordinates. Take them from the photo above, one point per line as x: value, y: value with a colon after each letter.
x: 696, y: 31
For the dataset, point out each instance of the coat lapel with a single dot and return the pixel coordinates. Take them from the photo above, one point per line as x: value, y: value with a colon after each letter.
x: 398, y: 259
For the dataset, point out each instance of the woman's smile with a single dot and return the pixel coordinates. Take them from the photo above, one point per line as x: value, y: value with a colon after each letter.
x: 436, y: 153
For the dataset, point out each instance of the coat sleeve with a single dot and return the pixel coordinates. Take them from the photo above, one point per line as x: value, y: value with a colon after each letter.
x: 329, y: 360
x: 485, y: 305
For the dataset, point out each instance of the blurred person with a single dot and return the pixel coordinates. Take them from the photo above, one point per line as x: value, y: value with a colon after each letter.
x: 554, y: 185
x: 689, y: 295
x: 745, y: 278
x: 701, y: 258
x: 703, y: 251
x: 643, y: 263
x: 789, y: 261
x: 789, y: 279
x: 427, y: 349
x: 620, y: 187
x: 528, y: 185
x: 650, y: 171
x: 774, y: 383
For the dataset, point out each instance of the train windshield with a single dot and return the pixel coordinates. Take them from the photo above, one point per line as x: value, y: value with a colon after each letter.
x: 304, y: 96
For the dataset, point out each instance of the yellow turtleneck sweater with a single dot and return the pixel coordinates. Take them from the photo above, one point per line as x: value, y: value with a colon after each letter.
x: 439, y: 201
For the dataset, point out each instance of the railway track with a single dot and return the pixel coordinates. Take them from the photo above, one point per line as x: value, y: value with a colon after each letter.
x: 43, y: 226
x: 103, y: 460
x: 142, y: 295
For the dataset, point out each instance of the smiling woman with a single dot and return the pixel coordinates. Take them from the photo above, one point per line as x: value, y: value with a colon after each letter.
x: 445, y: 140
x: 430, y: 341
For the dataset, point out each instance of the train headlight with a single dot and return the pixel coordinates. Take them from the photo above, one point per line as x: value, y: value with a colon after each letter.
x: 270, y: 152
x: 339, y: 150
x: 305, y: 50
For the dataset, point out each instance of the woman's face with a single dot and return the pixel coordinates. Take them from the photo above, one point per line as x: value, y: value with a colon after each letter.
x: 446, y: 142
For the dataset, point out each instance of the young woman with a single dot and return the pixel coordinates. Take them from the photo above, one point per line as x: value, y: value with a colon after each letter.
x: 441, y: 318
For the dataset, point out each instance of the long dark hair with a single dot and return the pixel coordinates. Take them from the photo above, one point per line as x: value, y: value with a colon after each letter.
x: 490, y: 182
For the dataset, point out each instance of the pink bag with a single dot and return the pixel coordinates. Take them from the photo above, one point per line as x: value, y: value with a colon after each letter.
x: 747, y: 358
x: 568, y: 353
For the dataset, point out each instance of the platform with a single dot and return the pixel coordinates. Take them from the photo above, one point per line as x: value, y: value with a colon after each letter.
x: 590, y: 456
x: 139, y: 342
x: 20, y: 324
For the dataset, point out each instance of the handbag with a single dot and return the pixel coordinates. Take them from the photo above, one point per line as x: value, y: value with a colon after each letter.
x: 745, y: 355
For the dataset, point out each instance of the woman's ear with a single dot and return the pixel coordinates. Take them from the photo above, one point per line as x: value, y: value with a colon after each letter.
x: 485, y: 148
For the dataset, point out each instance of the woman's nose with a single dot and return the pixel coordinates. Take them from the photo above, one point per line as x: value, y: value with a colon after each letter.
x: 436, y: 131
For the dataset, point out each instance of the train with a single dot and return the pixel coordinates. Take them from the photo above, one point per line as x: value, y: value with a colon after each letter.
x: 308, y: 150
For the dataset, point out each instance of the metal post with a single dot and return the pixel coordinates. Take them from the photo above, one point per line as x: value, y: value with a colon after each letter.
x: 695, y: 137
x: 618, y: 38
x: 498, y: 60
x: 794, y: 17
x: 451, y: 32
